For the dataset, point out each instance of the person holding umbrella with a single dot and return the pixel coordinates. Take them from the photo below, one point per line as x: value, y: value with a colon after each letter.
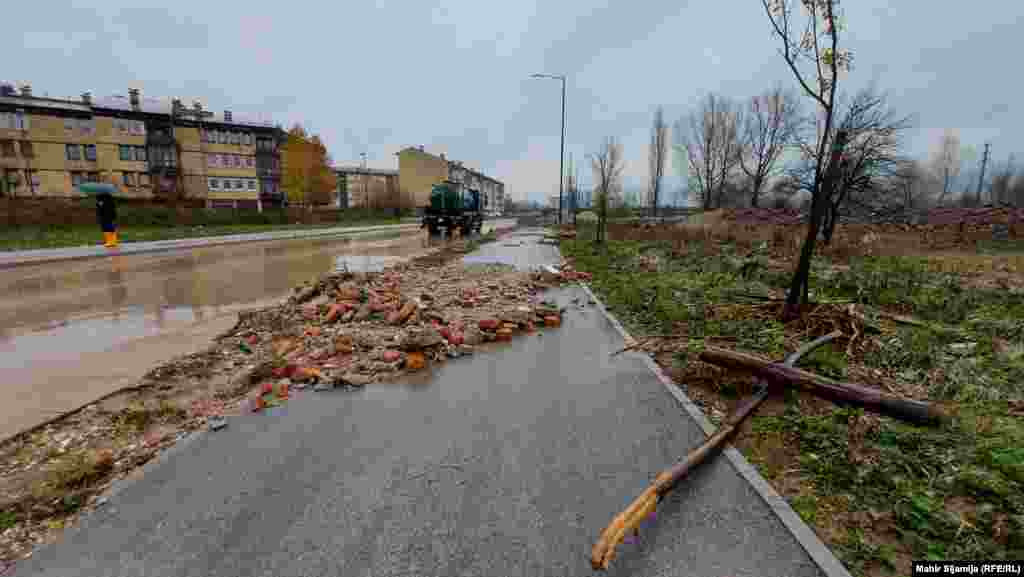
x: 106, y: 212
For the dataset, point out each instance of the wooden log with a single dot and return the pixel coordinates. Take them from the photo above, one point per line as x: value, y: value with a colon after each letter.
x: 840, y: 393
x: 643, y: 506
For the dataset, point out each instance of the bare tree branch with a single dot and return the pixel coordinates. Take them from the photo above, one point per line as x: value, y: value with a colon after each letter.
x: 657, y: 154
x: 607, y: 164
x: 709, y: 135
x: 771, y: 124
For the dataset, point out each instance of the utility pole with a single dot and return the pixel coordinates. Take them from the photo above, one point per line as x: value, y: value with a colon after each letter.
x: 981, y: 178
x: 362, y: 163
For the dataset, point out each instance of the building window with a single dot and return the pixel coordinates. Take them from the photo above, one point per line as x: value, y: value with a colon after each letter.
x: 122, y: 125
x: 222, y: 137
x: 211, y: 160
x: 248, y: 139
x: 73, y: 151
x: 203, y: 136
x: 236, y: 138
x: 90, y: 152
x: 237, y: 160
x: 143, y: 179
x: 76, y: 179
x: 94, y: 177
x: 86, y: 126
x: 239, y: 185
x: 26, y: 149
x: 140, y: 153
x: 128, y: 179
x: 69, y: 124
x: 252, y: 184
x: 21, y: 120
x: 214, y: 184
x: 250, y: 161
x: 138, y: 127
x: 125, y: 152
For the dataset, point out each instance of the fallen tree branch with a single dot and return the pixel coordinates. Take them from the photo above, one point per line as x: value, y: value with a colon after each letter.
x: 643, y: 506
x: 839, y: 393
x: 645, y: 340
x: 906, y: 320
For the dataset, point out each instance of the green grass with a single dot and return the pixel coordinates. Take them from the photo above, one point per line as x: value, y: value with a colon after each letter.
x: 7, y: 520
x: 953, y: 492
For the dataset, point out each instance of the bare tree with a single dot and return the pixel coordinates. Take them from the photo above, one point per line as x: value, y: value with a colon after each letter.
x: 607, y: 164
x: 657, y: 155
x: 872, y: 162
x: 770, y: 125
x: 947, y: 161
x: 709, y: 135
x: 816, y: 50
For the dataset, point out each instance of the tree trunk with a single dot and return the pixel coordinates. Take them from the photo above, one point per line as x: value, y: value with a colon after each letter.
x: 756, y: 193
x: 829, y: 224
x: 798, y: 286
x: 840, y: 393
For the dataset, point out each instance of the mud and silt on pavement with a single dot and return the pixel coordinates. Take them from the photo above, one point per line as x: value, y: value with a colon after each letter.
x: 71, y: 332
x: 345, y: 330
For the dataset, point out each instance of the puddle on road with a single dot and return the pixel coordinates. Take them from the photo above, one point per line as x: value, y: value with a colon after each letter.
x: 366, y: 263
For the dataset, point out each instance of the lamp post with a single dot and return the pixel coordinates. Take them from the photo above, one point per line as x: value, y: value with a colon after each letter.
x: 561, y: 151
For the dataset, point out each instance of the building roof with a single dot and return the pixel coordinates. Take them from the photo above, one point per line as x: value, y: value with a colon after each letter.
x: 163, y: 106
x: 120, y: 102
x: 452, y: 164
x: 42, y: 102
x: 367, y: 170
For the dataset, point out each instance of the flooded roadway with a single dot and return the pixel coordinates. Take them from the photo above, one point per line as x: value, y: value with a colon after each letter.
x: 71, y: 332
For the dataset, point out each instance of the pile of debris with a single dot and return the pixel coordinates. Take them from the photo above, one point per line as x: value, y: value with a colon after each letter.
x: 549, y: 276
x: 982, y: 218
x: 351, y: 329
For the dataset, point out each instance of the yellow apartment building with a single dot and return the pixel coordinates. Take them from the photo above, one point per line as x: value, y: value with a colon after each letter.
x: 419, y: 171
x: 149, y: 148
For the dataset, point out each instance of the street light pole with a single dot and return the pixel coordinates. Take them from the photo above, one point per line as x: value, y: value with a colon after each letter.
x: 561, y: 151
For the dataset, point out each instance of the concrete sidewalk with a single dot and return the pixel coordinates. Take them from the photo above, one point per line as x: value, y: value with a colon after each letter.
x: 510, y: 462
x: 25, y: 257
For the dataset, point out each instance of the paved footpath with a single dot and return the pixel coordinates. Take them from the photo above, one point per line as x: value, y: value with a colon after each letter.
x: 509, y: 462
x: 36, y: 256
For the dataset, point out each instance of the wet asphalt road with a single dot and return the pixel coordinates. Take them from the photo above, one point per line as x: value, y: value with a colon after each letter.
x: 73, y: 331
x: 507, y: 463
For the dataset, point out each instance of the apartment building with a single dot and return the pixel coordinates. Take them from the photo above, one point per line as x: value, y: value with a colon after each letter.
x: 149, y: 148
x: 373, y: 188
x: 419, y: 171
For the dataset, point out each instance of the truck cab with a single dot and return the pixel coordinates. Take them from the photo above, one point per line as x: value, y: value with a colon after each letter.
x: 451, y: 208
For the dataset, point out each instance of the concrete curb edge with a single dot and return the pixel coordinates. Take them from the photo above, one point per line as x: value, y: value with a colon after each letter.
x: 203, y: 242
x: 805, y: 536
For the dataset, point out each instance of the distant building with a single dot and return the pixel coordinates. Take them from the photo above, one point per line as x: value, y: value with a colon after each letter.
x: 367, y: 188
x: 419, y: 171
x: 148, y: 148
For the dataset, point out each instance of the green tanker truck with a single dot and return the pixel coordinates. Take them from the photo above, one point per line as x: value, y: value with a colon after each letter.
x: 453, y: 208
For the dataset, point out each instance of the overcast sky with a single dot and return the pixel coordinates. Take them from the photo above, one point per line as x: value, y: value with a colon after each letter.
x: 453, y: 75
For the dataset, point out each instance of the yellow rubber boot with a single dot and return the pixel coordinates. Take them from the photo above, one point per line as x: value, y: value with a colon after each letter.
x: 117, y: 241
x: 108, y: 240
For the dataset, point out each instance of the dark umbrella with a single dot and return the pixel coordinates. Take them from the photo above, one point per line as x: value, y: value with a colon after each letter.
x: 97, y: 188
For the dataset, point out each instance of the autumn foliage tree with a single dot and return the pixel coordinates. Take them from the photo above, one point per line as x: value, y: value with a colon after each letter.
x: 307, y: 176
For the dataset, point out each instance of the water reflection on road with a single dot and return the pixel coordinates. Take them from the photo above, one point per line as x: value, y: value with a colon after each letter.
x: 180, y: 286
x: 69, y: 331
